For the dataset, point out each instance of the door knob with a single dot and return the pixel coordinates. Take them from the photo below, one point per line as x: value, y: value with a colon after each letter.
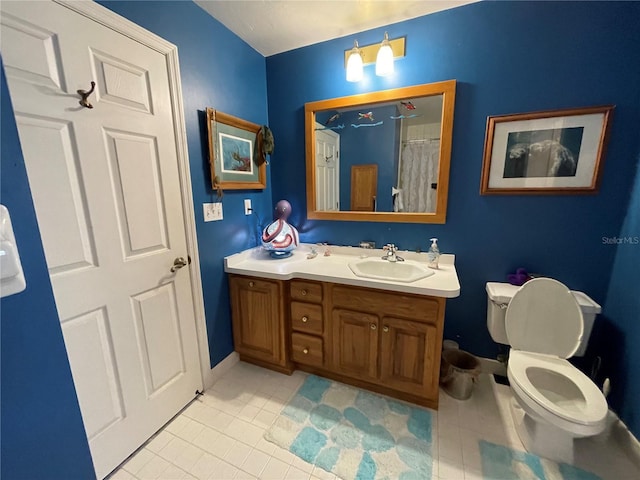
x: 305, y: 351
x: 178, y: 263
x: 305, y: 319
x: 374, y: 326
x: 385, y: 329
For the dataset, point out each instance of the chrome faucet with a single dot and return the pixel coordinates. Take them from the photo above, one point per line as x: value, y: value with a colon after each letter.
x: 390, y: 254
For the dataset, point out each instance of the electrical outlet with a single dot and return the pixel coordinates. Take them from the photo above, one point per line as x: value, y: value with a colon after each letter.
x: 212, y: 211
x: 247, y: 206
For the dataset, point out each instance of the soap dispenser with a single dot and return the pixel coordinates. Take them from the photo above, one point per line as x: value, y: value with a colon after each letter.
x: 433, y: 254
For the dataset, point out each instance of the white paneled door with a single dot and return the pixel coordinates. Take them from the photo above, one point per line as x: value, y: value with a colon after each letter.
x: 327, y: 169
x: 105, y: 184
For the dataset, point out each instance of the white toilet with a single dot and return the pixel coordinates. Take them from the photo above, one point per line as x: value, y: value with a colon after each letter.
x: 545, y: 323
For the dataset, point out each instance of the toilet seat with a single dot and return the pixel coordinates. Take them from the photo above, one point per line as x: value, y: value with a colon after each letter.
x: 544, y: 326
x: 559, y: 388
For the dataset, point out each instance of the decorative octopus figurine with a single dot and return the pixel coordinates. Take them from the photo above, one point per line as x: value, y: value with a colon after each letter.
x: 279, y: 237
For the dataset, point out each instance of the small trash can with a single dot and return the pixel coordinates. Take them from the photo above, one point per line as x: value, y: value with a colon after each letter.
x: 458, y: 372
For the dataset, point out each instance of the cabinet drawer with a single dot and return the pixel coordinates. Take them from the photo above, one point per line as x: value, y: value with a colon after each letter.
x: 306, y: 317
x: 307, y: 349
x: 306, y: 291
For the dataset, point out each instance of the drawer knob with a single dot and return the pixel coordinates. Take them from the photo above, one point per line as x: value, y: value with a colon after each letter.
x: 251, y: 284
x: 374, y: 326
x: 305, y: 350
x: 305, y: 319
x: 385, y: 329
x: 303, y: 292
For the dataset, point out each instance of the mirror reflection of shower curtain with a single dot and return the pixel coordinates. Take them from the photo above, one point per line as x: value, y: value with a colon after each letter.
x: 418, y: 170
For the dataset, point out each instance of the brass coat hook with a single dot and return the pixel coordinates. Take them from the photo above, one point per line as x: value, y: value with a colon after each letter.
x: 84, y: 94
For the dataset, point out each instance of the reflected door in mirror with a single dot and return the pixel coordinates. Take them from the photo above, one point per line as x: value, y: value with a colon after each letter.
x: 364, y: 187
x: 327, y: 169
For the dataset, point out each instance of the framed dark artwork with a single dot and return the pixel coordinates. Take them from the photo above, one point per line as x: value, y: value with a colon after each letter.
x: 232, y: 142
x: 551, y: 152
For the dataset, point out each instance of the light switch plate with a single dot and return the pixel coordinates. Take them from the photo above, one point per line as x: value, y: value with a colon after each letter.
x: 11, y: 274
x: 217, y: 211
x: 247, y: 206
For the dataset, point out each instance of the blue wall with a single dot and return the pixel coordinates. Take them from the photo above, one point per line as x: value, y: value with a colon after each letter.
x: 42, y: 431
x: 366, y: 145
x: 363, y: 145
x: 621, y: 326
x: 221, y: 71
x: 507, y: 57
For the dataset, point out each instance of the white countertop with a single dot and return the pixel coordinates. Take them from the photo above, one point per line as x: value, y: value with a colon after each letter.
x: 335, y: 268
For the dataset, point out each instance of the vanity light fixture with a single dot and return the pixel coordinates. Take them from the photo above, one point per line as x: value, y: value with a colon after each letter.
x: 384, y: 59
x: 354, y: 64
x: 382, y: 54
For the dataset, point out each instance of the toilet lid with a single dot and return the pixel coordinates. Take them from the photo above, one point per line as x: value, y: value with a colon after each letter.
x: 544, y: 317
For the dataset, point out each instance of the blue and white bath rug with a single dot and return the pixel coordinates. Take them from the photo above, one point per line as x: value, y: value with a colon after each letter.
x: 503, y: 463
x: 355, y: 434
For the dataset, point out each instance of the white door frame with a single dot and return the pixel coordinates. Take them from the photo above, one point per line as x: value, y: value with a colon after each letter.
x: 126, y: 27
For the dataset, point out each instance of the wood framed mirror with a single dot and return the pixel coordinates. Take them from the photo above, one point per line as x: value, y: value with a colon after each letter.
x: 382, y: 156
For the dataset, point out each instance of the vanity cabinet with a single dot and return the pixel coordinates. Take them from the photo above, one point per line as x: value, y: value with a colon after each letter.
x: 390, y: 339
x: 384, y: 341
x: 355, y: 336
x: 258, y: 316
x: 407, y: 356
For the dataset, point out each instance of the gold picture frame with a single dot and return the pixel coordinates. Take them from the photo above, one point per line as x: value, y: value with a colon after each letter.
x: 545, y: 153
x: 232, y: 142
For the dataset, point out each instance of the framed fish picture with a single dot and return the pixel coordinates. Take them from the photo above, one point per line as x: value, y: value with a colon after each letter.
x: 231, y: 153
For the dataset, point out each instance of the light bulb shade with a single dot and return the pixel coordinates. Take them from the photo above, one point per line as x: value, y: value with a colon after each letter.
x: 354, y: 66
x: 384, y: 60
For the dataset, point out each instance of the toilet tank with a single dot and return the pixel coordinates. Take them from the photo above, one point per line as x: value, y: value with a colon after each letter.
x: 499, y: 296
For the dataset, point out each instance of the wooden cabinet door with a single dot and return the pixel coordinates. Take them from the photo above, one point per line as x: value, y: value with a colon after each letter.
x: 355, y: 349
x: 364, y: 187
x: 407, y: 356
x: 257, y: 311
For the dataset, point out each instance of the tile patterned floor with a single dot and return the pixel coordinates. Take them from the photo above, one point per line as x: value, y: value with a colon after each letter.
x: 219, y: 435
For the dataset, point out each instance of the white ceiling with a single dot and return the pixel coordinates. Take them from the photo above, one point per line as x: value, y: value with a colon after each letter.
x: 276, y: 26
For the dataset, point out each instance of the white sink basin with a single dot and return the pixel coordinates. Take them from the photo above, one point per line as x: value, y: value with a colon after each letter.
x: 379, y: 269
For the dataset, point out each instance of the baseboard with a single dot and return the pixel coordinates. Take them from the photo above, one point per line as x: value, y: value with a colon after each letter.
x: 492, y: 367
x: 626, y: 441
x: 220, y: 369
